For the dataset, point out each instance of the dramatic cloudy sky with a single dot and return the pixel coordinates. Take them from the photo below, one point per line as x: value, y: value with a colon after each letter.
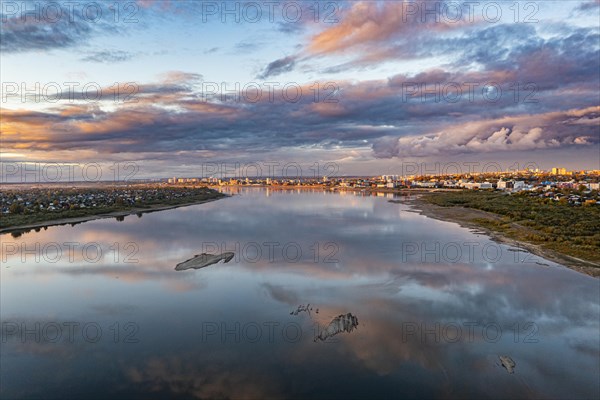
x: 370, y: 86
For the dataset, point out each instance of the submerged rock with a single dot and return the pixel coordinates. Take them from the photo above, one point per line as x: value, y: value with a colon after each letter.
x: 204, y: 260
x: 507, y: 363
x: 307, y: 308
x: 341, y: 323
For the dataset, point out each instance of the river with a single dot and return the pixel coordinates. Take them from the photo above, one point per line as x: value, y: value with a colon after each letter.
x: 328, y: 295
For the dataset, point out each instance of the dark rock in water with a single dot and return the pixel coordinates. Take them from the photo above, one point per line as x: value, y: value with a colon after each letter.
x: 204, y: 260
x: 507, y: 363
x: 302, y: 308
x: 341, y: 323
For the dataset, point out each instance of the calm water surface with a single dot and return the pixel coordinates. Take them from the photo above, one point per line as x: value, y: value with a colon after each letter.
x: 98, y: 310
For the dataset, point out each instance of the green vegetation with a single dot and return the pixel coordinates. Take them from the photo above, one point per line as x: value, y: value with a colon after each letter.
x: 16, y: 219
x: 554, y: 225
x: 20, y: 216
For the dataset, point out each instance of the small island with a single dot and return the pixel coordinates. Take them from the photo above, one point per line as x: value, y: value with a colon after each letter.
x: 204, y: 260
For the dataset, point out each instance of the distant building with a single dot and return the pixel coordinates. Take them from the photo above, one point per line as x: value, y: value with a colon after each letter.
x: 503, y: 185
x: 518, y: 185
x: 424, y: 184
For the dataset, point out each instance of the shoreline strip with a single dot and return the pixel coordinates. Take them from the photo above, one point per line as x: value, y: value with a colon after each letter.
x: 463, y: 217
x: 113, y: 214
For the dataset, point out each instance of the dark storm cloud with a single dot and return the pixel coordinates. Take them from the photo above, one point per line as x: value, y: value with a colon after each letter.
x: 370, y: 30
x: 278, y: 67
x: 371, y: 111
x: 518, y: 133
x: 247, y: 46
x: 589, y: 5
x: 507, y: 47
x: 108, y: 56
x: 18, y: 36
x: 572, y: 57
x: 39, y: 25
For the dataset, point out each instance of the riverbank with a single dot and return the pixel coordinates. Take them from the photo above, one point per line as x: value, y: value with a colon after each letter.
x: 19, y: 229
x: 476, y: 219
